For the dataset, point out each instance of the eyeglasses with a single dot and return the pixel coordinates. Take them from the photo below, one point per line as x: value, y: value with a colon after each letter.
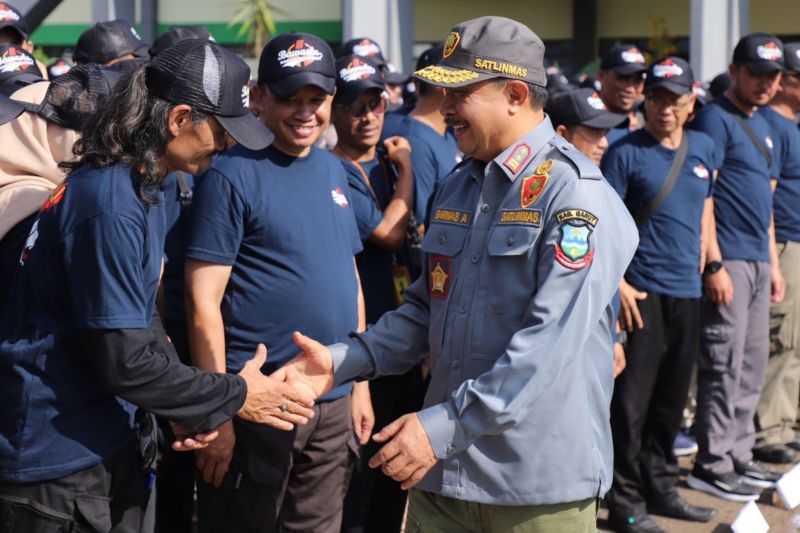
x: 359, y: 108
x: 660, y: 103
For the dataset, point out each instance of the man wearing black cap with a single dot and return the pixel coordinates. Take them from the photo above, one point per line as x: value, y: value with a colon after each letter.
x: 13, y: 28
x: 621, y: 76
x: 581, y: 117
x: 741, y: 275
x: 663, y: 172
x: 108, y: 42
x: 382, y: 195
x: 270, y: 250
x: 18, y: 68
x: 79, y: 346
x: 777, y: 409
x: 433, y: 146
x: 526, y: 247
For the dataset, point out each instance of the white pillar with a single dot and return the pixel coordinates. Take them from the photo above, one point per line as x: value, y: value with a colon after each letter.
x: 390, y: 23
x: 716, y: 26
x: 103, y: 10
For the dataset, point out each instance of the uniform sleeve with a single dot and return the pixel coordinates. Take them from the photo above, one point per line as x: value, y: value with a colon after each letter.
x: 614, y: 169
x: 103, y: 259
x: 216, y: 221
x: 571, y: 298
x: 366, y: 213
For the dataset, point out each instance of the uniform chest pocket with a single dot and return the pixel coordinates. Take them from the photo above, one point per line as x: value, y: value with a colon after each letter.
x: 512, y: 268
x: 444, y: 239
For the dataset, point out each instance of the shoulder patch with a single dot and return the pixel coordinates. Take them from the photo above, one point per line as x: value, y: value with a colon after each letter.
x: 583, y: 165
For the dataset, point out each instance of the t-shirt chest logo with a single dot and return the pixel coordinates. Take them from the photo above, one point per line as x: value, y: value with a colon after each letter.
x: 338, y: 197
x: 439, y: 281
x: 769, y: 142
x: 701, y: 171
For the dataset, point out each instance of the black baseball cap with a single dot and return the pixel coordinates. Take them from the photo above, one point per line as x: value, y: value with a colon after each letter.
x: 624, y: 59
x: 791, y: 57
x: 106, y: 41
x: 761, y: 53
x: 212, y: 80
x: 73, y: 99
x: 9, y: 109
x: 292, y: 61
x: 176, y: 34
x: 10, y: 17
x: 719, y: 84
x: 18, y: 68
x: 365, y: 47
x: 485, y: 48
x: 671, y: 73
x: 431, y: 56
x: 582, y: 107
x: 354, y: 75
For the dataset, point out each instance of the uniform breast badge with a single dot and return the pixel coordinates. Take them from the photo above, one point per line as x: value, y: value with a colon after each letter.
x: 439, y: 277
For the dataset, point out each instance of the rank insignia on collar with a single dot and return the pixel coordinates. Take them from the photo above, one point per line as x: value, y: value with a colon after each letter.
x: 574, y: 248
x: 531, y: 189
x: 519, y: 156
x: 439, y: 277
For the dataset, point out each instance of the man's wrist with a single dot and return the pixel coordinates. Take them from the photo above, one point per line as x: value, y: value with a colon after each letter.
x: 712, y: 267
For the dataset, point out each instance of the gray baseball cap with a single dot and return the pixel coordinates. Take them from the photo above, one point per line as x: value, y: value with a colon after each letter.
x: 486, y: 48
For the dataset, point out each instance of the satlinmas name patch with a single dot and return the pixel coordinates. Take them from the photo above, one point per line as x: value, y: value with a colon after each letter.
x: 452, y: 216
x: 498, y: 66
x: 521, y: 217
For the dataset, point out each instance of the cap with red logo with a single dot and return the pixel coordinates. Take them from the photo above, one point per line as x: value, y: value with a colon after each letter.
x: 365, y: 47
x: 354, y: 75
x: 792, y: 57
x: 761, y: 53
x: 292, y: 61
x: 18, y: 68
x: 583, y: 107
x: 671, y: 73
x: 624, y: 59
x: 10, y: 17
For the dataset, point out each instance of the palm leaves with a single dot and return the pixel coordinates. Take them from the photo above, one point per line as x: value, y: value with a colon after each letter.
x: 257, y: 22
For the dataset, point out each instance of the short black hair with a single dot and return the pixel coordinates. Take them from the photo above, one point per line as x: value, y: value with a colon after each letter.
x: 537, y: 94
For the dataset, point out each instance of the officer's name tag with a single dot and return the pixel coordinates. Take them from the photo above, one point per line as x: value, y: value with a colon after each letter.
x: 452, y: 216
x: 521, y: 217
x: 789, y: 487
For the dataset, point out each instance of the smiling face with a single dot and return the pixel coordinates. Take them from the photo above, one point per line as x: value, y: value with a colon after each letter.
x: 298, y: 121
x: 476, y: 114
x: 364, y: 132
x: 620, y: 92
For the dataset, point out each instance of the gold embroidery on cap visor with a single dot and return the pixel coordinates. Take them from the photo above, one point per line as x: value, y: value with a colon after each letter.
x: 447, y: 76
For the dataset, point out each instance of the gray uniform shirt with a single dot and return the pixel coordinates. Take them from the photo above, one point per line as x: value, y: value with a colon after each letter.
x: 521, y: 260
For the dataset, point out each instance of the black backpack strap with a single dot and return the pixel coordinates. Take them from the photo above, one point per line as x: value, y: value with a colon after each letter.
x: 669, y: 183
x: 758, y: 142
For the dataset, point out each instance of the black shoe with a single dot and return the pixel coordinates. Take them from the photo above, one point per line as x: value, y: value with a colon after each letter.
x: 728, y: 486
x: 633, y: 524
x: 794, y: 444
x: 677, y: 507
x: 774, y: 453
x: 756, y: 475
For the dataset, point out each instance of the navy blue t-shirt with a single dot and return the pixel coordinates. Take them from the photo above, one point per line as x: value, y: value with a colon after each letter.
x: 786, y: 200
x: 173, y: 278
x: 667, y: 261
x: 742, y: 193
x: 433, y: 156
x: 374, y: 262
x: 286, y: 226
x: 92, y: 261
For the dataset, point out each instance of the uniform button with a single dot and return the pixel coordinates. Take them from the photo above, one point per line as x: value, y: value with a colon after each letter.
x: 476, y: 258
x: 456, y: 363
x: 462, y: 309
x: 442, y: 239
x: 510, y: 241
x: 485, y: 208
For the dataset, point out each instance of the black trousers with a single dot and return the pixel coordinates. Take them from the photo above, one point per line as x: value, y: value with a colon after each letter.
x: 648, y: 401
x: 374, y: 501
x: 108, y: 497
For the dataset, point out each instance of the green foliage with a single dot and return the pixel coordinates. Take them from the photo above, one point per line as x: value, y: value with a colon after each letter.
x: 40, y: 56
x: 659, y: 43
x: 256, y: 20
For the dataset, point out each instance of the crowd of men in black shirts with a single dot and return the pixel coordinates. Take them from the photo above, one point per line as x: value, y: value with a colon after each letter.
x: 711, y: 182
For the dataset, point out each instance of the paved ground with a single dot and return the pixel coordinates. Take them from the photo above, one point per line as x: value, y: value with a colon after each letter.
x: 779, y: 519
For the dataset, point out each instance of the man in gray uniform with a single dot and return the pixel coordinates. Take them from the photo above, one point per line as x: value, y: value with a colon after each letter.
x: 525, y: 248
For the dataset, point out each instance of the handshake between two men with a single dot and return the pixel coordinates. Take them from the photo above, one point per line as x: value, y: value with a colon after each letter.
x: 286, y: 398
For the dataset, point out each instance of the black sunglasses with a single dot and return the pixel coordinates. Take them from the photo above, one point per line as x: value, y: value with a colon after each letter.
x: 358, y: 108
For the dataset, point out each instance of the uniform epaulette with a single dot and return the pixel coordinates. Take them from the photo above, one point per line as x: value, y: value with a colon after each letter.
x: 586, y: 168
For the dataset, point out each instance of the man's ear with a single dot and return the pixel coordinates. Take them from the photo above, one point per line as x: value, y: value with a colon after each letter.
x: 564, y: 132
x: 517, y: 93
x: 178, y: 118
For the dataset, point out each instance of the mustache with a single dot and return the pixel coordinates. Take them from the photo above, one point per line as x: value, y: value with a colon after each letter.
x: 453, y: 122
